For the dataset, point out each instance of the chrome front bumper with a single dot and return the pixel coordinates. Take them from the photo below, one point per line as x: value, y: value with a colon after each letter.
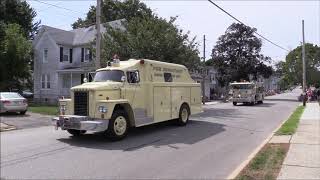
x: 80, y: 123
x: 242, y: 100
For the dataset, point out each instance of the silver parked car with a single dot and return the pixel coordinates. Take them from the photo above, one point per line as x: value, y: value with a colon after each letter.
x: 13, y: 102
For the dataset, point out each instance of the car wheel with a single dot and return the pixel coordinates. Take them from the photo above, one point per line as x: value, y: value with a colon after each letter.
x: 184, y: 114
x: 234, y: 103
x: 23, y: 112
x: 76, y: 132
x: 118, y: 125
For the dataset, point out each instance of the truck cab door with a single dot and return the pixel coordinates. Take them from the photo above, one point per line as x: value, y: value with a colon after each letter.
x: 133, y: 87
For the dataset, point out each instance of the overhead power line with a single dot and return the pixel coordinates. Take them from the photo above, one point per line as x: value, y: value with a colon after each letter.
x: 44, y: 9
x: 54, y: 5
x: 246, y: 25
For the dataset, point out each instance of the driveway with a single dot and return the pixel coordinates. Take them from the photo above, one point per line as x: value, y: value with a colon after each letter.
x: 29, y: 120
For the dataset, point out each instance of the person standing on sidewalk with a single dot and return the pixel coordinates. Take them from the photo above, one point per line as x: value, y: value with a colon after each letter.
x: 309, y: 94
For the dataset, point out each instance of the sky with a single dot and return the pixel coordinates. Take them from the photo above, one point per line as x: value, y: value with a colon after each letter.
x: 279, y: 21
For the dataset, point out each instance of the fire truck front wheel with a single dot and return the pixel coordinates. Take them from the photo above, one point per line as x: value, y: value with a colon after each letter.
x: 118, y: 125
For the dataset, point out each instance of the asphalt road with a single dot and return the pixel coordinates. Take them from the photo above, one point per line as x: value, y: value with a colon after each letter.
x: 211, y: 146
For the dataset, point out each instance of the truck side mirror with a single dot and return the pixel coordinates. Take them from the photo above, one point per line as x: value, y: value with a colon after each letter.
x: 85, y: 80
x: 123, y: 79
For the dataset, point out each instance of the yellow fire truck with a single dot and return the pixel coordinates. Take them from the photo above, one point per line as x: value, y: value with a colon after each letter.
x: 130, y: 93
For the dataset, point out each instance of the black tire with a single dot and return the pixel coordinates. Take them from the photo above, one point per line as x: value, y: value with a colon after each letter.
x: 111, y: 131
x: 182, y: 121
x: 23, y: 112
x: 234, y: 103
x: 76, y: 132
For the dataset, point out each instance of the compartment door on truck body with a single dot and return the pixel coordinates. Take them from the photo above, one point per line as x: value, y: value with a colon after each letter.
x: 178, y: 96
x: 161, y: 103
x: 195, y: 100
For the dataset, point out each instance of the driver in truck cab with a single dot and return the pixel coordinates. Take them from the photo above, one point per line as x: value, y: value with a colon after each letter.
x: 130, y: 93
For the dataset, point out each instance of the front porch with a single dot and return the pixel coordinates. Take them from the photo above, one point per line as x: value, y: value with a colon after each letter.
x: 68, y: 78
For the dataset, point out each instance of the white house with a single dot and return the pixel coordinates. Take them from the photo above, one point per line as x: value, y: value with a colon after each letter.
x: 62, y: 59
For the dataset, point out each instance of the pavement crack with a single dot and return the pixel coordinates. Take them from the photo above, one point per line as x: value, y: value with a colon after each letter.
x: 244, y: 129
x: 34, y: 156
x: 290, y: 139
x: 29, y: 150
x: 142, y: 145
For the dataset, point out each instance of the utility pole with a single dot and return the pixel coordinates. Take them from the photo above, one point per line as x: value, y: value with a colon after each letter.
x: 303, y: 67
x: 204, y: 68
x: 98, y: 39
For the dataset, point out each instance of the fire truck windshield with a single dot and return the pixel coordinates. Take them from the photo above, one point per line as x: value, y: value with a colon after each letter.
x: 108, y: 75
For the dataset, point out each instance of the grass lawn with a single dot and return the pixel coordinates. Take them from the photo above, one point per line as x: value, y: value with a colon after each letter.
x: 266, y: 164
x: 290, y: 126
x: 43, y: 109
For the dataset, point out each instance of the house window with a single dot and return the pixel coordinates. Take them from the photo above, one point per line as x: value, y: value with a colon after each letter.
x: 45, y: 55
x: 66, y: 81
x: 64, y: 54
x: 45, y: 81
x: 86, y: 55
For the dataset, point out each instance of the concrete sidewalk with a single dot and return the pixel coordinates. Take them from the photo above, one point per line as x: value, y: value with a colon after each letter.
x: 303, y: 158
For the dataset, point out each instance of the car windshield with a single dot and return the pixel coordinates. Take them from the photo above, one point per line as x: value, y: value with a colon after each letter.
x: 242, y: 86
x: 10, y: 95
x: 108, y: 75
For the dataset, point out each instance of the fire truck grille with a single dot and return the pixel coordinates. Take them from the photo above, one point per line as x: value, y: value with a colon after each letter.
x: 81, y: 102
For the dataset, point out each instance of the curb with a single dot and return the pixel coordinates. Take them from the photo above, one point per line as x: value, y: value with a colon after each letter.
x: 235, y: 172
x: 6, y: 127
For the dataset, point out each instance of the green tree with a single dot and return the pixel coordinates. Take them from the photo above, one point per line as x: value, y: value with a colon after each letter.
x: 17, y: 27
x: 151, y: 38
x: 19, y: 12
x: 15, y: 58
x: 293, y: 65
x: 237, y: 55
x: 114, y: 10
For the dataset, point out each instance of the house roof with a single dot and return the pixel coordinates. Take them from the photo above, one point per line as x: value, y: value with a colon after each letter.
x: 75, y: 37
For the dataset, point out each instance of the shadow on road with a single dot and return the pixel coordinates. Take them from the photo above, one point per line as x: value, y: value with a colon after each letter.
x: 162, y: 134
x: 13, y: 115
